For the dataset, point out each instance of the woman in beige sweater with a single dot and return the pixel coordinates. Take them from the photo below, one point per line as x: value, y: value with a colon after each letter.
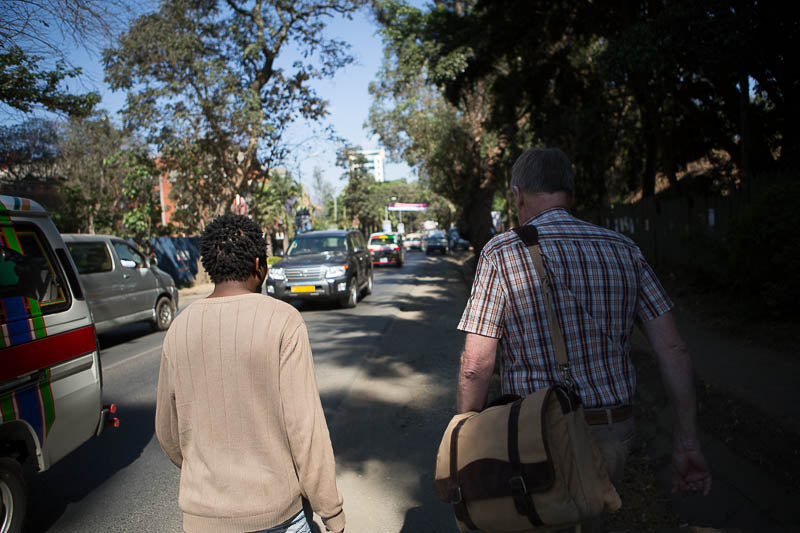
x: 238, y: 410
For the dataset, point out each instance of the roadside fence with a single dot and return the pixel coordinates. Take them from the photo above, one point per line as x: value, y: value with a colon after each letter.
x: 671, y: 231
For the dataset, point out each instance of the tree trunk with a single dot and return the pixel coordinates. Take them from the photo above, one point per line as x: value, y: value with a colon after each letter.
x: 744, y: 129
x: 479, y: 217
x: 649, y: 175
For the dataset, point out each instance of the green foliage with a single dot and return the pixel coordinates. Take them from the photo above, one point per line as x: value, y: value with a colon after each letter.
x: 366, y: 201
x: 361, y: 197
x: 628, y: 90
x: 25, y: 86
x: 442, y: 133
x: 29, y: 152
x: 90, y: 177
x: 65, y: 216
x: 142, y: 206
x: 274, y: 203
x: 323, y: 193
x: 205, y: 89
x: 764, y: 253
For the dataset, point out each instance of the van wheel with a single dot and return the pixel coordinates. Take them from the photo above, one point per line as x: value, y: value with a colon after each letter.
x: 351, y: 299
x: 13, y: 496
x: 164, y: 313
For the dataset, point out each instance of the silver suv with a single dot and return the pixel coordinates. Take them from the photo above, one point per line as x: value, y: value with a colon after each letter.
x: 122, y: 285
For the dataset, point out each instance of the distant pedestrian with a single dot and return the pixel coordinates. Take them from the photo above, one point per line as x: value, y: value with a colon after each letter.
x: 601, y: 286
x: 238, y: 410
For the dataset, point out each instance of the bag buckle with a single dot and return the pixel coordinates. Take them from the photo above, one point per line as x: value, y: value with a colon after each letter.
x: 454, y: 494
x: 517, y: 484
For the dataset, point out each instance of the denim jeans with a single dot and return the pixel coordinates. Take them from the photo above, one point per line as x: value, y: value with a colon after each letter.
x: 296, y: 524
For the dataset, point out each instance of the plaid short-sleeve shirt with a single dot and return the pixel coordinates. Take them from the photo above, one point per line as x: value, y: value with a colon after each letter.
x: 601, y: 284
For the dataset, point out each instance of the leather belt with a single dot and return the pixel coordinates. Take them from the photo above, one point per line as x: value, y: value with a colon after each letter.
x: 612, y: 415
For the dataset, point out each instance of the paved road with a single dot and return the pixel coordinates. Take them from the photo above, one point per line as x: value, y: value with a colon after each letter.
x: 386, y: 373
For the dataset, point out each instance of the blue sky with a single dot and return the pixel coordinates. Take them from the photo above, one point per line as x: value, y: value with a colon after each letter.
x: 347, y: 94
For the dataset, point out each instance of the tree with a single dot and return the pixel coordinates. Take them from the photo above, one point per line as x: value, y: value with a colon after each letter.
x: 274, y: 203
x: 24, y: 85
x: 323, y: 195
x: 630, y: 91
x: 206, y: 87
x: 360, y: 197
x: 93, y: 178
x: 142, y: 208
x: 29, y: 152
x: 32, y: 60
x: 446, y: 136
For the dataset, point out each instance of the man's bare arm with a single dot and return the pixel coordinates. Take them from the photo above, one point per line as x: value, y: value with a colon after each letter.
x: 690, y: 471
x: 475, y: 372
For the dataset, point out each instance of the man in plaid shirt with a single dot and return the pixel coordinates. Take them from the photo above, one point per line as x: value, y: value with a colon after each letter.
x: 601, y: 284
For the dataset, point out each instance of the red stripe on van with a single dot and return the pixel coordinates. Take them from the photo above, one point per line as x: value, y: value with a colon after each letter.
x: 43, y: 353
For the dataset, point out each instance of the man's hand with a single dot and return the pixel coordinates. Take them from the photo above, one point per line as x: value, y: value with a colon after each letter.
x: 689, y: 468
x: 690, y: 472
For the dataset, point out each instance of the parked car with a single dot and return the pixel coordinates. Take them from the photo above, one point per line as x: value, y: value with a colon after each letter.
x: 323, y: 265
x: 413, y: 241
x: 435, y: 241
x: 122, y: 284
x: 387, y: 249
x: 51, y: 386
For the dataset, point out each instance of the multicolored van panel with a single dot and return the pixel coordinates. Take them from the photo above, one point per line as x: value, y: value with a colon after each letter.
x: 44, y: 329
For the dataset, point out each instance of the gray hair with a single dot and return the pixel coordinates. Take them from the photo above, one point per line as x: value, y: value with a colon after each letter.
x: 543, y: 170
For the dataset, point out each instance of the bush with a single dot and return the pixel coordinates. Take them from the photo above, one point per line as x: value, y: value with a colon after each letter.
x: 764, y: 252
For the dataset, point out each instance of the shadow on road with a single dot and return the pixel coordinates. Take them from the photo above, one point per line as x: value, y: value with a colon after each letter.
x: 124, y: 334
x: 88, y: 467
x: 386, y: 429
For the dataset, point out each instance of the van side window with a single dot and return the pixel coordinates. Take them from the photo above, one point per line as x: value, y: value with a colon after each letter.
x: 128, y: 257
x: 29, y: 276
x: 91, y: 257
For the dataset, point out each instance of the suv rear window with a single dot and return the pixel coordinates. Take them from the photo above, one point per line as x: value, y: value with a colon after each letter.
x: 31, y: 284
x: 383, y: 239
x: 90, y: 257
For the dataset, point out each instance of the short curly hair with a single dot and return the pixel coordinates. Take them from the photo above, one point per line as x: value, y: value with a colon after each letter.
x: 229, y: 247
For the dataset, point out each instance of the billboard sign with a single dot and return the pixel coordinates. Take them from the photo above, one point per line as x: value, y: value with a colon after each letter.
x: 398, y: 206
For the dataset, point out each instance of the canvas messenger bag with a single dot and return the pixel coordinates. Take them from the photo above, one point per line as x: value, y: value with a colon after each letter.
x: 525, y: 464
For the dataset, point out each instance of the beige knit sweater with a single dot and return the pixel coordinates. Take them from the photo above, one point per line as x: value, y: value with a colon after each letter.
x: 238, y: 411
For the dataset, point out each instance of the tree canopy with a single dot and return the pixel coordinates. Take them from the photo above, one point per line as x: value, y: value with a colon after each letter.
x: 630, y: 91
x: 33, y: 65
x: 208, y: 85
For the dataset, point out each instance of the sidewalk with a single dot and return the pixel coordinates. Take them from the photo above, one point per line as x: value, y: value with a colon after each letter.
x: 740, y: 378
x: 745, y: 378
x: 203, y: 289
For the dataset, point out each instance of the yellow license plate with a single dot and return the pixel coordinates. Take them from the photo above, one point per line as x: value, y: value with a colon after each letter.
x: 304, y: 288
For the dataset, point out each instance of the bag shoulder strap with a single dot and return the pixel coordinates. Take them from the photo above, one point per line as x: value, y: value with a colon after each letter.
x: 530, y: 237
